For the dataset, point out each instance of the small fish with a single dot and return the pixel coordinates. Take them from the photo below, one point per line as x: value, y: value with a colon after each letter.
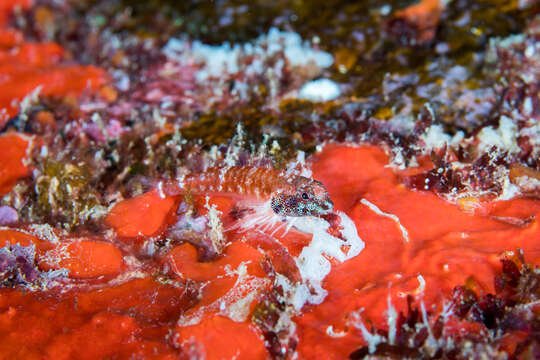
x: 288, y: 195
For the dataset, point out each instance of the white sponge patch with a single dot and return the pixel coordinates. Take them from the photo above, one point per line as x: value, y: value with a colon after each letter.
x: 313, y: 262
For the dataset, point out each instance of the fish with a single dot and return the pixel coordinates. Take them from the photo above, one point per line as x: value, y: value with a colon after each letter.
x: 288, y: 196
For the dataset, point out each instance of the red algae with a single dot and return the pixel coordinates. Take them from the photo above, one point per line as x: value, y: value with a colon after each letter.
x: 39, y: 65
x: 423, y: 19
x: 92, y: 324
x: 15, y: 148
x: 7, y: 6
x: 26, y: 66
x: 428, y: 237
x: 221, y: 338
x: 432, y: 240
x: 172, y: 299
x: 84, y: 259
x: 9, y: 38
x: 13, y: 236
x: 236, y: 276
x: 182, y: 260
x: 446, y: 246
x: 145, y: 215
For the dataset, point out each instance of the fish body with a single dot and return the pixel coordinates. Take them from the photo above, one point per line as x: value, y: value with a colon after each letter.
x: 288, y: 195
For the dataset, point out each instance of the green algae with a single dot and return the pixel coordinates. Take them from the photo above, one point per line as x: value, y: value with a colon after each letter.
x: 286, y: 125
x: 64, y: 192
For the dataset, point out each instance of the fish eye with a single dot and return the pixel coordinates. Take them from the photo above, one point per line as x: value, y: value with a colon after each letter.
x: 305, y: 196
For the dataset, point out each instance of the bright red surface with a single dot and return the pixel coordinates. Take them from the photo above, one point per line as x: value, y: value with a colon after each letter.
x: 25, y: 66
x: 145, y: 215
x: 221, y: 338
x: 446, y: 246
x: 12, y: 166
x: 84, y: 259
x: 138, y: 315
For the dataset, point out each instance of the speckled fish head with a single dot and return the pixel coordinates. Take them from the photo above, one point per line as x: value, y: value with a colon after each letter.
x: 308, y: 197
